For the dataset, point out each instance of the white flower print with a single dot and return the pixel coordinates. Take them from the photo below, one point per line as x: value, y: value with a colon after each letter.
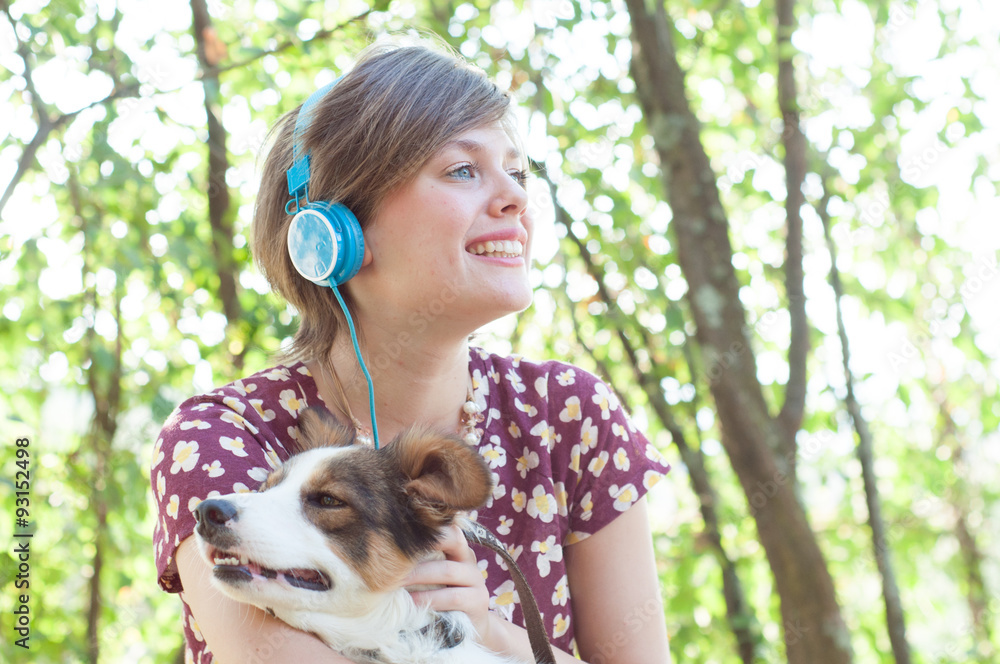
x: 290, y: 402
x: 195, y: 424
x: 304, y: 370
x: 494, y: 453
x: 560, y: 625
x: 483, y: 565
x: 542, y: 386
x: 235, y: 404
x: 214, y: 469
x: 504, y: 526
x: 504, y: 598
x: 172, y: 506
x: 653, y: 454
x: 240, y: 487
x: 527, y: 461
x: 499, y: 490
x: 244, y: 389
x: 622, y: 460
x: 624, y: 496
x: 561, y: 496
x: 271, y: 456
x: 185, y: 456
x: 161, y: 484
x: 202, y: 407
x: 606, y: 400
x: 588, y: 435
x: 258, y: 405
x: 548, y: 552
x: 519, y: 499
x: 193, y: 502
x: 561, y: 593
x: 258, y: 474
x: 619, y: 431
x: 587, y: 506
x: 566, y: 377
x: 527, y: 408
x: 650, y: 478
x: 234, y: 419
x: 597, y: 464
x: 574, y: 461
x: 515, y: 381
x: 194, y: 628
x: 158, y: 455
x: 278, y: 374
x: 572, y: 411
x: 542, y: 505
x: 547, y: 434
x: 234, y: 445
x: 514, y: 430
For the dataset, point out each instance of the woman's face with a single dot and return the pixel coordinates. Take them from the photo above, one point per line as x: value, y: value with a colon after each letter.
x: 452, y: 245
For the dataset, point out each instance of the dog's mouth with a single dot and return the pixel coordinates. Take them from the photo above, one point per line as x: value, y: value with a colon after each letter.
x: 234, y: 568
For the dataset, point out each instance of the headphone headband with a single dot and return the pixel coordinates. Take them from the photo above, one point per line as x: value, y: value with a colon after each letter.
x: 299, y: 172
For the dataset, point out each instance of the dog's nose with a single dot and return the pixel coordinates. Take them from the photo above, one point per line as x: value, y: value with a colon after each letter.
x: 215, y: 512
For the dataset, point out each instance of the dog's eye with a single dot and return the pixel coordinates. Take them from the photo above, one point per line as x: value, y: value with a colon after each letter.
x: 326, y: 500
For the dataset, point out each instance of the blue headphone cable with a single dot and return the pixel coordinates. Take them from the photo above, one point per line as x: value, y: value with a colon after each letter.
x: 364, y: 369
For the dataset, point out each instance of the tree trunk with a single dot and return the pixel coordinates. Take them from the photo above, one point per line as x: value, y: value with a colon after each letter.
x: 755, y: 442
x: 739, y: 614
x: 209, y: 55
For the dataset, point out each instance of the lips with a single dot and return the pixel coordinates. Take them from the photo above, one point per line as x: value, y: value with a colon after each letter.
x: 236, y: 569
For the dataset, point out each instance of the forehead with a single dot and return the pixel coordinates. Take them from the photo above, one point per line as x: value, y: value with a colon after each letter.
x: 489, y: 140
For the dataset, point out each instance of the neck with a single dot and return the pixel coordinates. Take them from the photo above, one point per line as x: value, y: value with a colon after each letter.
x: 417, y: 380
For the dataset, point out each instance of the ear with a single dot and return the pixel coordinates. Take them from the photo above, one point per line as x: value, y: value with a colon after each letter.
x: 318, y: 428
x: 442, y: 475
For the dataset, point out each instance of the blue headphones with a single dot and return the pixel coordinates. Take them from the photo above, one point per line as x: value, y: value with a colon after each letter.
x: 325, y: 241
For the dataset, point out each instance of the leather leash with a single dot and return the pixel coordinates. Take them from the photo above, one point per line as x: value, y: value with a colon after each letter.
x: 476, y: 533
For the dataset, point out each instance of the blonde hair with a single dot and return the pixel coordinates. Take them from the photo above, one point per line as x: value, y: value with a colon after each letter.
x: 370, y: 134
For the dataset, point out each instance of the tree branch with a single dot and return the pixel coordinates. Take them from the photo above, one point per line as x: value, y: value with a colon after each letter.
x: 794, y: 143
x: 895, y: 618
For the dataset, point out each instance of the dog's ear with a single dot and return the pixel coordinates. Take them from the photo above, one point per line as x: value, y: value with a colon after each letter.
x: 318, y: 428
x: 442, y: 474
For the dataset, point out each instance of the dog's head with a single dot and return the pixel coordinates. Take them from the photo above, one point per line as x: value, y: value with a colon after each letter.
x: 339, y: 523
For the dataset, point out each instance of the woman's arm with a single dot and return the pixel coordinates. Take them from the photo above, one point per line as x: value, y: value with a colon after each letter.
x: 238, y: 633
x: 615, y: 591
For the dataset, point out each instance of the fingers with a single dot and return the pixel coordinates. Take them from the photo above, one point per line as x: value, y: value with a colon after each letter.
x: 455, y: 547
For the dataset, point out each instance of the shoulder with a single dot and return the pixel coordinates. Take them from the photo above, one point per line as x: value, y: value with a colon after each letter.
x: 559, y: 375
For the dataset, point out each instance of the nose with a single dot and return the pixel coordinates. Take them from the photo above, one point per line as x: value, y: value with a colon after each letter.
x: 511, y: 197
x: 215, y: 512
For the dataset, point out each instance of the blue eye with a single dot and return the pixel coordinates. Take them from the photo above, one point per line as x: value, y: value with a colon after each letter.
x: 463, y: 172
x: 520, y: 177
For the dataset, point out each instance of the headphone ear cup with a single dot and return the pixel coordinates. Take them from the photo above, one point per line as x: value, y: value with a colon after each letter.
x: 325, y: 243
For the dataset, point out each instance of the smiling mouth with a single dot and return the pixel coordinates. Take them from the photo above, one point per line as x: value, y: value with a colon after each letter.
x: 497, y: 248
x: 233, y: 568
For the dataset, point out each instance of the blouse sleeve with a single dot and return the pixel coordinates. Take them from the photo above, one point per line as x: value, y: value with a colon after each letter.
x: 615, y: 465
x: 211, y: 445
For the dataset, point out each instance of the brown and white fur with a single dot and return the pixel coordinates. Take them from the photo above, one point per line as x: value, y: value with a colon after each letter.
x: 329, y: 538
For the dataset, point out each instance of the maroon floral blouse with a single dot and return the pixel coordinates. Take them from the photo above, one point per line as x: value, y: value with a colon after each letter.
x: 566, y: 460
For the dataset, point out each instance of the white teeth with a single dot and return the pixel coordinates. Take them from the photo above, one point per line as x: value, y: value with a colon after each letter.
x: 226, y: 561
x: 243, y: 559
x: 502, y: 248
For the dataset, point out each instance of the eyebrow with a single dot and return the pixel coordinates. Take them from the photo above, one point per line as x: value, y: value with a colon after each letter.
x: 476, y: 147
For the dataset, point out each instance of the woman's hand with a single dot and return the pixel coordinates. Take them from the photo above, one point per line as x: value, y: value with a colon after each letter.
x: 465, y: 588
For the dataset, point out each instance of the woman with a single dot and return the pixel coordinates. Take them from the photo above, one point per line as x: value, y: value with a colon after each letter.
x: 419, y: 146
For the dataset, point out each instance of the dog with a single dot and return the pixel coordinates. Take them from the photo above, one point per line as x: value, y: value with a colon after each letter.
x: 326, y: 542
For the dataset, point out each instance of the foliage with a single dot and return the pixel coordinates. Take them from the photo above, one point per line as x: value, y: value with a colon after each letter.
x: 110, y: 279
